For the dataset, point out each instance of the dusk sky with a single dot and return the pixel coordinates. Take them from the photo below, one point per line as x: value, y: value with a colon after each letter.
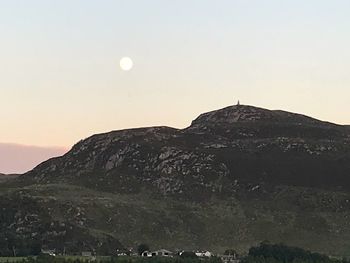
x: 61, y: 80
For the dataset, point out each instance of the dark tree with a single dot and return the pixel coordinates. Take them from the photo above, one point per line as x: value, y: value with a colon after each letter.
x: 142, y: 248
x: 283, y: 253
x: 230, y: 252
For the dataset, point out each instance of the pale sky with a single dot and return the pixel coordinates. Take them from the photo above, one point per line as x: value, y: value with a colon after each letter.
x: 60, y: 79
x: 16, y: 158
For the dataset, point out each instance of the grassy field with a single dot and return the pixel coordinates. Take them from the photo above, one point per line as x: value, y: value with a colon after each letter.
x: 72, y: 258
x: 283, y: 215
x: 11, y: 259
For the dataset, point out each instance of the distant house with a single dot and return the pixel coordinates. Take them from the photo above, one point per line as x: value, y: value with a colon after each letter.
x: 203, y: 254
x: 146, y: 254
x: 229, y: 258
x: 50, y: 252
x: 86, y: 254
x: 157, y: 253
x: 123, y: 252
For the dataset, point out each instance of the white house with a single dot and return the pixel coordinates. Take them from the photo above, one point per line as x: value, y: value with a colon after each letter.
x: 157, y: 253
x: 49, y: 252
x: 229, y: 258
x: 203, y: 254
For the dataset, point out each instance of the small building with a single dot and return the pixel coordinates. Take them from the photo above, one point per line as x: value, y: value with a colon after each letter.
x: 229, y: 258
x: 203, y: 254
x: 50, y: 252
x: 123, y: 252
x: 146, y: 254
x: 86, y: 254
x: 157, y: 253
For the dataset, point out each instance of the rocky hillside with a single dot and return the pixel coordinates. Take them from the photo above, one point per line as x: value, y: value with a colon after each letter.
x: 5, y: 177
x: 236, y: 176
x: 238, y: 144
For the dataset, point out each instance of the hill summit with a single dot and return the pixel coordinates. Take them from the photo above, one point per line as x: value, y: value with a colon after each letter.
x: 246, y: 113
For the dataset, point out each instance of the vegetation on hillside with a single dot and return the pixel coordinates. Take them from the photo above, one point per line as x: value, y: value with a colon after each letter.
x: 280, y: 253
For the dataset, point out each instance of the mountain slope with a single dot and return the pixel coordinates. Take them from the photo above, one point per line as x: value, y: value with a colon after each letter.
x: 241, y: 143
x: 5, y: 177
x: 235, y: 177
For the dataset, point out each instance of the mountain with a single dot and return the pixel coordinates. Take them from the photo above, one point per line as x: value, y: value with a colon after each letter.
x: 5, y: 177
x: 235, y: 177
x: 2, y: 177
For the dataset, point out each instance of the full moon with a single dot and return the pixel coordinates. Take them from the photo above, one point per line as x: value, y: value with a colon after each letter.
x: 126, y: 63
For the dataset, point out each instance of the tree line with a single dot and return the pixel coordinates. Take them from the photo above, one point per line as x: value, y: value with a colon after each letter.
x: 280, y: 253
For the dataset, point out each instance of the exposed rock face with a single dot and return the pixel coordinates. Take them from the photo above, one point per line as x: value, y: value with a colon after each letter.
x: 243, y: 143
x: 244, y: 166
x: 242, y: 113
